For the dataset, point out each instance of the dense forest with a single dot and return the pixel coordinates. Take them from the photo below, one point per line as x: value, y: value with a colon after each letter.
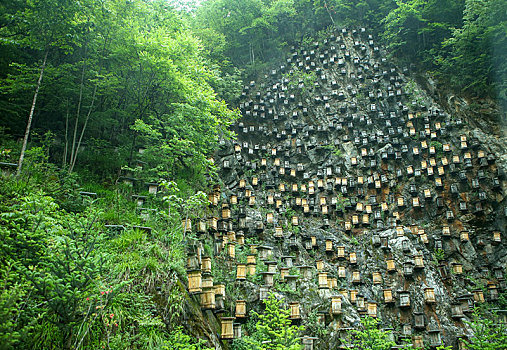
x: 96, y: 93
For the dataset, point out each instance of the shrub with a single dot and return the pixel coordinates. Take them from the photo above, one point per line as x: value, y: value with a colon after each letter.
x: 273, y: 330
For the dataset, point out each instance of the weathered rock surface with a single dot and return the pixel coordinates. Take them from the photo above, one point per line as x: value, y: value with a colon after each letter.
x: 375, y: 192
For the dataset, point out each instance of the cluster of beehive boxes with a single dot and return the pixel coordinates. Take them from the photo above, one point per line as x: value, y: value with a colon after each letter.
x: 358, y: 188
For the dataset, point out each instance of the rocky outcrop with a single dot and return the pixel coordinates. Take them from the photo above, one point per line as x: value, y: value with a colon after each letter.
x: 349, y: 191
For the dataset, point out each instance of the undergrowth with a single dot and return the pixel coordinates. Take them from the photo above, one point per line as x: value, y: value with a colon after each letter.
x: 70, y: 282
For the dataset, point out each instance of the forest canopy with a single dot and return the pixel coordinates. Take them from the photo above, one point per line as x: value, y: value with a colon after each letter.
x: 462, y: 42
x: 118, y: 75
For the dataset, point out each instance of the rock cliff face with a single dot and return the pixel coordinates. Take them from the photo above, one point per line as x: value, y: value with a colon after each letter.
x: 350, y: 192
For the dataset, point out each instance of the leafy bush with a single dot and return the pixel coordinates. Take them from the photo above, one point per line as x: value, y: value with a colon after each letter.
x: 68, y: 283
x: 370, y: 337
x: 273, y: 330
x: 487, y: 334
x: 181, y: 341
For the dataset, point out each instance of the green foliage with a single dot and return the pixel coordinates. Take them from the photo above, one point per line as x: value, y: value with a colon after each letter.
x: 119, y: 75
x: 370, y: 337
x: 414, y: 28
x: 502, y: 300
x: 473, y: 57
x: 312, y: 325
x: 273, y: 330
x: 12, y: 294
x: 241, y: 254
x: 458, y: 40
x: 289, y: 213
x: 301, y: 82
x: 442, y: 347
x: 340, y: 202
x: 286, y: 289
x: 334, y: 150
x: 67, y: 282
x: 488, y: 335
x: 413, y: 90
x: 180, y: 341
x: 354, y: 241
x: 438, y: 255
x: 240, y: 344
x: 53, y: 254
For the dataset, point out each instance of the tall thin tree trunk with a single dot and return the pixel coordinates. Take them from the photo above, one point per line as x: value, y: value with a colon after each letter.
x: 81, y: 87
x: 131, y: 156
x: 252, y: 54
x: 30, y: 116
x: 83, y: 129
x: 73, y: 156
x: 329, y: 12
x: 66, y: 148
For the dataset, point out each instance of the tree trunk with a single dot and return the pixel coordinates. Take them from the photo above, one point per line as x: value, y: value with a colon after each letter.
x: 252, y: 53
x: 66, y: 148
x: 328, y: 12
x: 73, y: 161
x: 81, y: 87
x: 30, y: 116
x: 73, y: 156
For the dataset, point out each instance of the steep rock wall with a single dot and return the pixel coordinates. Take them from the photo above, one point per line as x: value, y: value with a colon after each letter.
x: 351, y: 192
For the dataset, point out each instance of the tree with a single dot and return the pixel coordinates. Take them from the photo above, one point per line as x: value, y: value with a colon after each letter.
x: 416, y: 28
x: 240, y: 24
x: 41, y: 26
x: 487, y: 334
x: 474, y: 57
x: 403, y: 26
x: 107, y: 64
x: 273, y: 330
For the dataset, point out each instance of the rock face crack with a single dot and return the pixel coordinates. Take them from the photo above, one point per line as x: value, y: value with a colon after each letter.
x: 350, y: 192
